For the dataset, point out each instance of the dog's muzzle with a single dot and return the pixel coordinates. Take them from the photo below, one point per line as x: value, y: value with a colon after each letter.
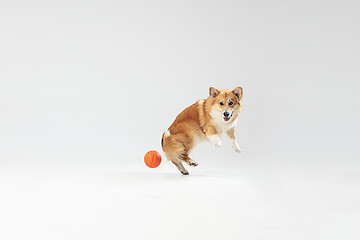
x: 227, y: 116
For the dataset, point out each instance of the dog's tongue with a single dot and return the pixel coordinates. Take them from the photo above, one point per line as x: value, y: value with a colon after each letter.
x: 226, y: 119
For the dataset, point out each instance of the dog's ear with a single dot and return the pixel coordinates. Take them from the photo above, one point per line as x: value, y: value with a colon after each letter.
x: 238, y: 92
x: 213, y: 92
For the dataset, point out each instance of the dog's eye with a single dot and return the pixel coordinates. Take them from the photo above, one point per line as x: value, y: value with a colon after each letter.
x: 231, y: 103
x: 221, y: 103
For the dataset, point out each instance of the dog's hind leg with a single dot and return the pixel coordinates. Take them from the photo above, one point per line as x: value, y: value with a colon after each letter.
x: 184, y: 157
x: 176, y: 148
x: 174, y: 157
x: 179, y: 166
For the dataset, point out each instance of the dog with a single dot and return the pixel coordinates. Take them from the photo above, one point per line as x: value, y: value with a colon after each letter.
x: 205, y: 120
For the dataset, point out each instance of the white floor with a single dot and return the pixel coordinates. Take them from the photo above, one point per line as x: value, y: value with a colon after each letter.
x: 135, y: 202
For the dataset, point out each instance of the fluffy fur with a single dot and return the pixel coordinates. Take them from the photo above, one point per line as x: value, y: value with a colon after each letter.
x: 205, y: 120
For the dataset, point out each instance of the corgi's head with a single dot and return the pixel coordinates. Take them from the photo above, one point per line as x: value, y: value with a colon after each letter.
x: 225, y: 104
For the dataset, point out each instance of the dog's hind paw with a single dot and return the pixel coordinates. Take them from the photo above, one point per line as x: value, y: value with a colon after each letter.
x: 192, y: 163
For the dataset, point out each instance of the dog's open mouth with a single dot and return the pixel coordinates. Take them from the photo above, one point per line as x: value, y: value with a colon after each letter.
x: 227, y: 118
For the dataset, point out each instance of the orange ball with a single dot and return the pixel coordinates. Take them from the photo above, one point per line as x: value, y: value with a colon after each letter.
x: 152, y: 159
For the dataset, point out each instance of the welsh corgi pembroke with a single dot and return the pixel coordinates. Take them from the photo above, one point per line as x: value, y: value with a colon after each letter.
x: 205, y: 120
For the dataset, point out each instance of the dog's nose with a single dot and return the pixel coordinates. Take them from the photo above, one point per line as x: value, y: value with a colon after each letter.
x: 226, y: 114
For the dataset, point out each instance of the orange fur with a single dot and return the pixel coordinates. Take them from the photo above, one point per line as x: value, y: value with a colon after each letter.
x: 202, y: 121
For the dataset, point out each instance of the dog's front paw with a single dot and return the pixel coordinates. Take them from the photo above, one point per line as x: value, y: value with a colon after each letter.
x: 217, y: 143
x: 236, y: 147
x: 216, y: 140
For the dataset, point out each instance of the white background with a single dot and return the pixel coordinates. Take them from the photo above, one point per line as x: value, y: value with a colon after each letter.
x: 88, y: 87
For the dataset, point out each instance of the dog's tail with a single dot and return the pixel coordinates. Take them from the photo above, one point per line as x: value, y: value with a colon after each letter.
x: 163, y: 139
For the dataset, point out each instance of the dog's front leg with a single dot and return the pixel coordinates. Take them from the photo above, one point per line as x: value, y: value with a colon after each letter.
x: 213, y: 136
x: 215, y: 139
x: 232, y: 135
